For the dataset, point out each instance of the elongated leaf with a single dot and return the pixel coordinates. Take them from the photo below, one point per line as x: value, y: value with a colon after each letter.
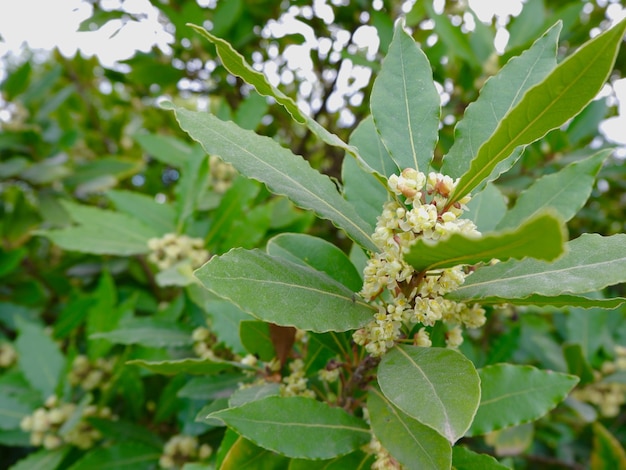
x: 167, y: 149
x: 541, y: 237
x: 465, y: 459
x: 253, y: 393
x: 297, y: 427
x: 358, y: 460
x: 439, y: 387
x: 317, y: 254
x: 122, y: 456
x: 499, y: 94
x: 191, y: 366
x: 211, y: 387
x: 43, y: 459
x: 589, y: 329
x: 12, y: 411
x: 102, y: 232
x: 237, y: 65
x: 486, y: 208
x: 255, y: 337
x: 282, y: 292
x: 607, y: 451
x: 559, y: 301
x: 591, y: 262
x: 546, y: 106
x: 151, y: 334
x: 160, y: 217
x: 405, y: 104
x: 263, y: 159
x: 565, y: 191
x: 513, y: 395
x: 244, y: 454
x: 40, y: 359
x: 413, y: 444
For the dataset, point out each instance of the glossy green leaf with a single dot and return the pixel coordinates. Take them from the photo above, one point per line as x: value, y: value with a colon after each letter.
x: 513, y: 395
x: 497, y: 97
x: 280, y: 424
x: 263, y: 159
x: 558, y: 301
x: 40, y: 359
x: 358, y: 460
x: 405, y: 104
x: 607, y: 452
x: 541, y: 237
x: 237, y: 65
x: 439, y: 387
x: 279, y: 291
x: 193, y: 366
x: 590, y: 263
x: 244, y: 454
x: 255, y: 337
x: 548, y: 105
x: 253, y: 393
x: 318, y: 254
x: 362, y: 189
x: 43, y: 459
x: 486, y: 208
x: 12, y: 411
x: 465, y: 459
x: 160, y: 217
x: 413, y: 444
x: 102, y: 232
x: 565, y: 192
x: 121, y: 456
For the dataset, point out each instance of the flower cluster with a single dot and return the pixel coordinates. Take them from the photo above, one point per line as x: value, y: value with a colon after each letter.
x: 207, y: 346
x: 181, y: 449
x: 90, y: 375
x: 384, y: 460
x: 604, y: 393
x: 421, y: 209
x: 8, y: 355
x: 45, y: 423
x: 221, y: 174
x: 295, y: 384
x: 171, y: 249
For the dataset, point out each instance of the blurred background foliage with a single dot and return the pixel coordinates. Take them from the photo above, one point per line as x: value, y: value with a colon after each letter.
x: 75, y: 134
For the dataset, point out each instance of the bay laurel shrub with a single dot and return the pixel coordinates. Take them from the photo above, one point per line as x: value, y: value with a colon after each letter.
x: 359, y: 359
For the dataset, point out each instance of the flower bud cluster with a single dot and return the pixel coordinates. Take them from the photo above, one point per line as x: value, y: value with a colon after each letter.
x: 8, y: 355
x: 91, y: 375
x: 45, y: 423
x: 181, y: 449
x: 608, y: 396
x: 172, y: 248
x: 207, y: 346
x: 221, y: 174
x: 384, y: 460
x: 402, y: 295
x: 296, y: 382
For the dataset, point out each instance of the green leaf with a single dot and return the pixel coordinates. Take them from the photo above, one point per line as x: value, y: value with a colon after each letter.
x: 102, y: 232
x: 263, y: 159
x: 318, y: 254
x: 486, y: 208
x: 225, y: 321
x: 558, y: 301
x: 465, y: 459
x: 43, y: 459
x: 255, y: 337
x: 40, y: 359
x: 280, y: 424
x: 405, y: 104
x: 546, y: 106
x: 253, y: 393
x: 589, y: 329
x: 607, y: 451
x: 126, y: 431
x: 12, y: 411
x: 564, y: 192
x: 149, y: 333
x: 237, y: 65
x: 282, y: 292
x: 211, y: 387
x: 193, y: 181
x: 121, y: 456
x: 160, y: 217
x: 512, y: 441
x: 104, y: 314
x: 167, y: 149
x: 413, y: 444
x: 590, y: 263
x: 577, y: 364
x: 410, y: 376
x: 513, y: 395
x: 244, y: 454
x: 358, y: 460
x: 541, y: 237
x: 497, y: 97
x: 191, y: 366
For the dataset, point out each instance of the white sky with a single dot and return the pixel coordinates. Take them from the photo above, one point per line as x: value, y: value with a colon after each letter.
x: 44, y: 24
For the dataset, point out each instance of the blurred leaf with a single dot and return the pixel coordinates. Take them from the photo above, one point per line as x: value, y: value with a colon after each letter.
x: 279, y: 291
x: 486, y: 208
x: 588, y: 329
x: 211, y: 387
x: 244, y: 454
x: 410, y: 376
x: 255, y: 337
x: 577, y: 364
x: 43, y: 459
x: 278, y: 424
x: 149, y: 333
x: 513, y: 395
x: 160, y: 217
x: 563, y: 300
x: 527, y: 25
x: 126, y: 431
x: 251, y: 111
x: 12, y: 411
x: 607, y: 451
x: 512, y: 441
x: 16, y: 81
x: 225, y: 323
x: 405, y: 104
x: 121, y: 456
x: 193, y: 366
x: 413, y: 444
x: 167, y: 149
x: 585, y: 126
x: 465, y: 459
